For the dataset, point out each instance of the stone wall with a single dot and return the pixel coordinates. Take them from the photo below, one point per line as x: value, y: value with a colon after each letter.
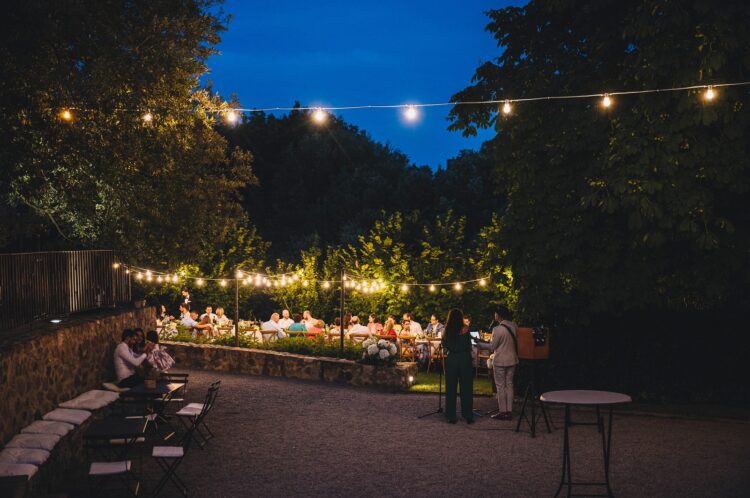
x: 48, y: 364
x: 290, y: 366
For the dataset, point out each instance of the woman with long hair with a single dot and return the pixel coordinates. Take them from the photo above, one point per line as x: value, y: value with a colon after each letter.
x: 458, y: 370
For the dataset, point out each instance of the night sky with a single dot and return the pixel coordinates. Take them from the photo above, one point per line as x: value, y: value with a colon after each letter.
x: 365, y: 52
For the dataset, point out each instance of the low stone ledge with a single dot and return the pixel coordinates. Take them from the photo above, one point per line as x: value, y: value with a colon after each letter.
x: 291, y: 366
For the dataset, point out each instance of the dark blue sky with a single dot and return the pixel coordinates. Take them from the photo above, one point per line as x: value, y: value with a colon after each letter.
x: 365, y: 52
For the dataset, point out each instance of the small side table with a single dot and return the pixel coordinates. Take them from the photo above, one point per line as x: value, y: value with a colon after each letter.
x: 599, y: 399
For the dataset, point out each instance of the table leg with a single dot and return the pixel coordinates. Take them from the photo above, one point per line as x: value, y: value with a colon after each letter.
x: 606, y: 447
x: 566, y: 456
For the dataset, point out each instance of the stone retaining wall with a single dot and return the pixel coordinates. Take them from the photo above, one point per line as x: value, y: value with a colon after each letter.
x: 291, y: 366
x: 49, y: 364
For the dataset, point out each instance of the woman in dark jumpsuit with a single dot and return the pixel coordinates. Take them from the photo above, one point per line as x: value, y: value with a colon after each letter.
x: 458, y: 370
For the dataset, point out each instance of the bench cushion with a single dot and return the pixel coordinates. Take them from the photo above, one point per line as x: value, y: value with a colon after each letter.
x: 91, y: 400
x: 34, y: 441
x: 75, y: 417
x: 17, y: 469
x: 47, y: 427
x: 23, y: 455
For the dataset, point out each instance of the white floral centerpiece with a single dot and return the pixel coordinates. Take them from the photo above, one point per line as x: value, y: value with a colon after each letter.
x: 379, y: 352
x: 169, y: 330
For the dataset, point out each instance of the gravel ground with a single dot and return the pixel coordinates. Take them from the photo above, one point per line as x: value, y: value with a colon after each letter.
x: 277, y: 437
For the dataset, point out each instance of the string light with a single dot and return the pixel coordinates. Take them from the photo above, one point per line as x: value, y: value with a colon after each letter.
x: 158, y: 279
x: 432, y: 287
x: 138, y: 276
x: 223, y: 283
x: 66, y: 115
x: 710, y: 94
x: 326, y: 285
x: 127, y: 272
x: 175, y: 278
x: 304, y: 283
x: 239, y: 275
x: 606, y: 101
x: 404, y: 288
x: 115, y: 265
x: 411, y: 113
x: 319, y: 115
x: 149, y: 277
x: 482, y: 282
x: 506, y: 107
x: 147, y: 118
x: 457, y: 286
x: 199, y: 282
x: 231, y: 117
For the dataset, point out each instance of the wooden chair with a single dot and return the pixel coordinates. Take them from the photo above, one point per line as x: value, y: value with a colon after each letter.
x: 408, y: 347
x: 437, y: 353
x: 359, y: 336
x: 268, y: 335
x: 295, y: 333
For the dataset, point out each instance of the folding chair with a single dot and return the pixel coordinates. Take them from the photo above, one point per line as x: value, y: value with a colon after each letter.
x: 178, y: 398
x: 194, y: 414
x: 169, y: 458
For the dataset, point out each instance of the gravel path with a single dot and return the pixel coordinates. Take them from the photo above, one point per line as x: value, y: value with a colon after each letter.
x: 277, y: 437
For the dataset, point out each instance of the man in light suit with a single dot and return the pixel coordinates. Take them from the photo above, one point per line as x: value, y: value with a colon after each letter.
x: 504, y: 345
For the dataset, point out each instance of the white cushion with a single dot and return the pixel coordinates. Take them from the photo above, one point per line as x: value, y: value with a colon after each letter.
x: 17, y: 469
x: 23, y: 455
x: 111, y: 386
x: 47, y: 427
x: 188, y: 411
x: 168, y: 452
x: 109, y: 468
x: 75, y: 417
x: 127, y: 441
x: 195, y: 405
x: 91, y: 400
x: 34, y: 441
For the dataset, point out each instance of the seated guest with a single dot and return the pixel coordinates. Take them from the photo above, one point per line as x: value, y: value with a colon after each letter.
x: 316, y: 330
x: 435, y: 328
x: 414, y: 326
x: 140, y: 341
x: 405, y: 327
x: 126, y: 361
x: 285, y: 321
x: 158, y: 357
x: 185, y: 316
x: 335, y: 326
x: 390, y: 328
x: 273, y: 324
x: 373, y: 326
x: 205, y: 325
x: 210, y: 313
x: 297, y: 326
x: 162, y: 315
x: 357, y: 328
x: 221, y: 318
x: 308, y: 319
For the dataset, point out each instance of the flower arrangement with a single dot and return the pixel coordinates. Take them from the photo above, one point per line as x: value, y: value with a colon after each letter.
x: 169, y: 330
x: 379, y: 352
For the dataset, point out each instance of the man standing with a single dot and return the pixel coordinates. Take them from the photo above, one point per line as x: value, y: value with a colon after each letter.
x: 126, y: 361
x: 186, y: 297
x: 285, y: 322
x: 504, y: 344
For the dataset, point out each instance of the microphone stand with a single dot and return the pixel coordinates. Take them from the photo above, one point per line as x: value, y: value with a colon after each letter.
x: 440, y: 388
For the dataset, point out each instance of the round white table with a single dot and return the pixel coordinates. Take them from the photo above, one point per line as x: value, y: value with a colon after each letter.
x: 586, y: 398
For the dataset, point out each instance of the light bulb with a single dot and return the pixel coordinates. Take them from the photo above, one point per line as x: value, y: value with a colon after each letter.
x: 239, y: 275
x: 138, y: 276
x: 66, y: 115
x: 506, y: 107
x: 199, y: 282
x: 257, y: 282
x: 457, y: 286
x: 149, y: 277
x: 148, y: 117
x: 432, y: 288
x: 223, y: 283
x: 326, y: 285
x: 158, y: 279
x: 115, y: 265
x: 404, y: 288
x: 482, y: 282
x: 304, y: 283
x: 710, y: 94
x: 127, y: 272
x: 319, y: 116
x: 411, y: 113
x: 606, y: 101
x: 231, y: 117
x: 174, y: 278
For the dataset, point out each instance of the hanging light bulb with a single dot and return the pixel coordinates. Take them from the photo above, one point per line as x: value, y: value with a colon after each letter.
x: 432, y: 288
x: 199, y: 282
x: 138, y: 276
x: 304, y: 283
x: 457, y: 286
x: 411, y: 113
x: 147, y: 118
x: 326, y: 285
x: 66, y: 115
x: 482, y: 282
x: 231, y: 117
x: 127, y: 271
x: 404, y: 288
x: 115, y: 265
x: 149, y: 277
x: 257, y: 282
x: 158, y: 279
x: 175, y: 278
x: 606, y: 101
x: 239, y: 275
x: 506, y: 107
x: 710, y: 93
x: 319, y: 116
x: 268, y: 283
x: 223, y: 283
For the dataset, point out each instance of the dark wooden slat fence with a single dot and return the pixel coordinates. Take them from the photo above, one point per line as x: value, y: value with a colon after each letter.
x: 41, y: 285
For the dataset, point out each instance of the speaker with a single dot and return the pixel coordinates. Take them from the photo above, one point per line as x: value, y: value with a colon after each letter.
x: 533, y: 344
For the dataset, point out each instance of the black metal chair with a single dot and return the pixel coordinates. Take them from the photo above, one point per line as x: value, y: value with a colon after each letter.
x: 169, y: 458
x: 194, y: 415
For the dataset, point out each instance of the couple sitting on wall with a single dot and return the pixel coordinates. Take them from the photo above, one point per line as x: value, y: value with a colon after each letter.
x: 128, y: 362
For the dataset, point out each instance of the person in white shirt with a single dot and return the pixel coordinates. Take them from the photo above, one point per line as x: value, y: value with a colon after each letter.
x: 308, y: 319
x: 273, y: 324
x: 221, y: 318
x: 126, y: 361
x: 185, y: 318
x: 414, y: 327
x: 285, y: 321
x: 210, y: 312
x: 358, y: 328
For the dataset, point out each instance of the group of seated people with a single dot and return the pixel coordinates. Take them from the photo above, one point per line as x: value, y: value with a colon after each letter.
x: 203, y: 325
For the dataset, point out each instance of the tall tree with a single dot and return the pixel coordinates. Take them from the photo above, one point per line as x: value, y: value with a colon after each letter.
x: 637, y: 206
x: 160, y: 190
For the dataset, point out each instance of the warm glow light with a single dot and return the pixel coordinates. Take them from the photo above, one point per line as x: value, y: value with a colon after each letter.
x: 115, y: 265
x: 158, y: 279
x: 710, y: 94
x: 432, y: 288
x: 404, y: 288
x: 482, y: 282
x: 606, y: 101
x: 199, y: 282
x: 411, y: 379
x: 268, y: 283
x: 174, y: 278
x: 457, y: 286
x: 127, y: 271
x: 148, y: 117
x: 231, y: 117
x: 319, y: 116
x: 239, y: 275
x: 66, y: 115
x: 149, y: 277
x: 138, y: 276
x: 411, y: 113
x: 257, y: 282
x: 326, y: 285
x: 304, y: 283
x: 506, y: 107
x: 223, y: 283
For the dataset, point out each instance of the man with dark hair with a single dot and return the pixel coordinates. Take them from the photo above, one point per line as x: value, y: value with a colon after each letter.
x: 126, y: 360
x: 415, y: 327
x: 186, y: 297
x: 434, y: 328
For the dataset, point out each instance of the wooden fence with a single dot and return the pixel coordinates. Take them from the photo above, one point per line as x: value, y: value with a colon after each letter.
x: 47, y: 285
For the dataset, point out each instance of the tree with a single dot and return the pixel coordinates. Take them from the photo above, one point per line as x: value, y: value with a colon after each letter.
x: 158, y: 190
x: 634, y: 207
